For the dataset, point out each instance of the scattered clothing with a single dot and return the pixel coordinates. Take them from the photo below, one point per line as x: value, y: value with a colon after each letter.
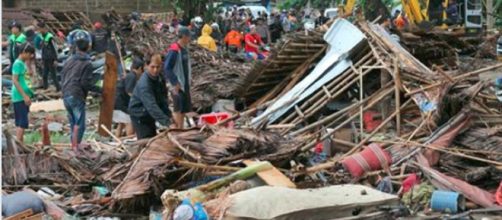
x: 121, y: 117
x: 205, y: 40
x: 420, y: 195
x: 385, y: 185
x: 409, y: 182
x: 20, y: 201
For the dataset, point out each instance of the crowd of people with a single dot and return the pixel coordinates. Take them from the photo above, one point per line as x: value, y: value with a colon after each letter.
x: 240, y: 30
x: 142, y: 90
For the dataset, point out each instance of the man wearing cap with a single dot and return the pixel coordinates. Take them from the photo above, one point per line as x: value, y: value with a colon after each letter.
x: 177, y: 71
x: 15, y: 40
x: 263, y: 30
x: 77, y: 80
x: 100, y: 38
x: 49, y: 56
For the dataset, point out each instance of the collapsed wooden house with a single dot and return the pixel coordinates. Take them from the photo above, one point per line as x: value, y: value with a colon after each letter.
x: 290, y: 60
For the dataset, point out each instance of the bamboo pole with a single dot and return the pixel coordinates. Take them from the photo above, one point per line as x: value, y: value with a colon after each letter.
x: 319, y: 96
x: 336, y: 87
x: 429, y: 146
x: 459, y: 77
x: 361, y: 108
x: 205, y: 166
x: 397, y: 94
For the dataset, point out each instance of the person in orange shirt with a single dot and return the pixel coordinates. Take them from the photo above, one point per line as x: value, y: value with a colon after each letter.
x: 400, y: 22
x: 233, y: 40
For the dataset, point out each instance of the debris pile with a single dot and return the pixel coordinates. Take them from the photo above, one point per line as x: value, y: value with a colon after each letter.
x: 327, y: 110
x: 215, y: 75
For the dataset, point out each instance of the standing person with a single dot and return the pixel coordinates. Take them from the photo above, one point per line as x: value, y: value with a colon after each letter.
x: 149, y: 100
x: 16, y: 39
x: 233, y: 40
x: 253, y: 44
x: 216, y: 33
x: 125, y: 88
x: 21, y: 92
x: 49, y: 56
x: 77, y: 79
x: 263, y: 31
x: 70, y: 39
x: 276, y: 29
x: 205, y: 40
x: 178, y: 71
x: 321, y: 20
x: 100, y: 38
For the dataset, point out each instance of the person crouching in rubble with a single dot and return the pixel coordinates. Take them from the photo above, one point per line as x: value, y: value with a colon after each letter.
x: 149, y: 100
x: 178, y: 71
x: 21, y: 92
x: 125, y: 88
x: 205, y: 40
x: 253, y: 44
x: 77, y: 79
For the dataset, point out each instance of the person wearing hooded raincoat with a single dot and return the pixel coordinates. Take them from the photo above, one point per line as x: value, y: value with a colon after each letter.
x: 205, y: 40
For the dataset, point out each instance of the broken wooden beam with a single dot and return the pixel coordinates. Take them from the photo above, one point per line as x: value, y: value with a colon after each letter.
x: 108, y: 97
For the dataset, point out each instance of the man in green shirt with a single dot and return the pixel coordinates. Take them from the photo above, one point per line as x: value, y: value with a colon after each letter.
x: 21, y: 92
x: 15, y: 39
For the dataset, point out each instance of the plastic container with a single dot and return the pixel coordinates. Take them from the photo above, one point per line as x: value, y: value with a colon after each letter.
x: 446, y: 201
x: 370, y: 159
x: 213, y: 118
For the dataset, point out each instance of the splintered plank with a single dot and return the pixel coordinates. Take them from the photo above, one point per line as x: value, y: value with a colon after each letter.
x: 108, y: 96
x: 273, y: 176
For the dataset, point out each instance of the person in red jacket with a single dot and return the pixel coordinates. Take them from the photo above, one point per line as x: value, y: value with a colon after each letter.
x: 253, y: 44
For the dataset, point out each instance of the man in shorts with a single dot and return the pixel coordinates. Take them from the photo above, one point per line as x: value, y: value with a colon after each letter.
x: 21, y: 92
x: 178, y: 72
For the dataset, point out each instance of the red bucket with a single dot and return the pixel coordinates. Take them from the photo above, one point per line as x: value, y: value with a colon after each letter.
x: 214, y: 118
x: 370, y: 159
